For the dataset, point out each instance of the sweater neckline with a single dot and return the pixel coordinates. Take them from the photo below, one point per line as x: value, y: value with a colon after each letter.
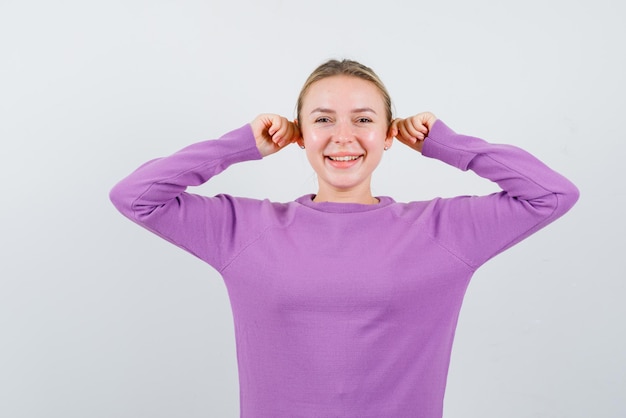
x: 335, y: 207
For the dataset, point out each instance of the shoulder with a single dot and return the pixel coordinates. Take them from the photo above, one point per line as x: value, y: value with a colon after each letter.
x: 255, y: 210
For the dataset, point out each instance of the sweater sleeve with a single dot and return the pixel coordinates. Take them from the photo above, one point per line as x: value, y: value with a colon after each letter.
x: 478, y: 228
x: 154, y: 196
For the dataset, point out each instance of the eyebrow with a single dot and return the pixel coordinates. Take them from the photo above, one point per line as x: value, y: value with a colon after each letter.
x: 358, y: 110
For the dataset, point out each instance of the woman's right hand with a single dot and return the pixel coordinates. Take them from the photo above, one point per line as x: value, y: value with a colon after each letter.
x: 273, y: 132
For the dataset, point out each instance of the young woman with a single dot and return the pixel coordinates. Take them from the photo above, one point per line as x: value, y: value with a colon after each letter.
x: 345, y: 304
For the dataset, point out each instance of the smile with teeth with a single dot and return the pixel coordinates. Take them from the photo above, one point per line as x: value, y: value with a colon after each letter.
x: 345, y: 158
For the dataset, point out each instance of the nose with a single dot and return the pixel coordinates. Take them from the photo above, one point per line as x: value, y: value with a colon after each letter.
x: 343, y: 132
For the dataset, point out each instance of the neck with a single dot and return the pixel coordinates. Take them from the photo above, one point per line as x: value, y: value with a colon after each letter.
x: 346, y: 197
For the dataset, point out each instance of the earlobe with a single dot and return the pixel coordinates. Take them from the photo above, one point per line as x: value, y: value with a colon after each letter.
x: 389, y: 139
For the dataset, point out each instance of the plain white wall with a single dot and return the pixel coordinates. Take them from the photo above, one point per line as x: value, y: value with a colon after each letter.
x: 99, y: 318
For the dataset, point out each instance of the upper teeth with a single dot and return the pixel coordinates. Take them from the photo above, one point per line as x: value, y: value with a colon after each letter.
x: 346, y: 158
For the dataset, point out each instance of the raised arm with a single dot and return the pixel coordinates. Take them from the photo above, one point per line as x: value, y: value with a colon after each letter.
x: 477, y: 228
x: 155, y: 197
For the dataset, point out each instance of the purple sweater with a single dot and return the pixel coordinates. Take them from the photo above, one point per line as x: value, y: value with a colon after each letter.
x: 345, y: 310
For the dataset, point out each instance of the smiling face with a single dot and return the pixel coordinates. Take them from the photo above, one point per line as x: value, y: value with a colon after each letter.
x: 344, y: 127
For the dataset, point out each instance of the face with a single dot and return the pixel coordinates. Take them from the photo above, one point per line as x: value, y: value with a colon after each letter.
x: 345, y: 130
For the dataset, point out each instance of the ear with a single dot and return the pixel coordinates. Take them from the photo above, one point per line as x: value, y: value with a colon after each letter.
x: 300, y: 140
x: 391, y: 132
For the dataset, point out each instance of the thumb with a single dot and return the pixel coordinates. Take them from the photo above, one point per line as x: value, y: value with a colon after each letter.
x: 393, y: 129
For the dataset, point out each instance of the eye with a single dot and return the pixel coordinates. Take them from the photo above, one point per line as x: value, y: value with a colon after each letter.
x: 364, y: 120
x: 322, y: 119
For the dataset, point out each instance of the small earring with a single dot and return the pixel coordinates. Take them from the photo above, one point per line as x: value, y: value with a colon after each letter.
x: 386, y: 148
x: 302, y: 146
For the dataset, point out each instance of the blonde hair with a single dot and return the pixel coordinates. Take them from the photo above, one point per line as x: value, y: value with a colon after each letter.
x: 348, y: 68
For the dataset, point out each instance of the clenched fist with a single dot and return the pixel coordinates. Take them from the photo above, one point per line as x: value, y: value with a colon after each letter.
x: 413, y: 130
x: 273, y: 132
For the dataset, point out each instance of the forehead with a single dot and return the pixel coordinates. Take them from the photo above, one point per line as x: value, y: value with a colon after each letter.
x: 342, y: 90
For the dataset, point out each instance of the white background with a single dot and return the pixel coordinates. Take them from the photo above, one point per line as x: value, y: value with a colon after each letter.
x: 99, y: 318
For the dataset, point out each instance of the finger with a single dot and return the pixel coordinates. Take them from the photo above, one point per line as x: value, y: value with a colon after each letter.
x: 408, y: 143
x: 401, y: 132
x: 274, y: 125
x: 283, y: 136
x: 288, y: 136
x: 278, y: 130
x: 396, y: 122
x: 265, y: 127
x: 292, y: 133
x: 427, y: 119
x: 394, y: 127
x: 422, y: 122
x: 405, y: 134
x: 417, y: 128
x: 288, y: 133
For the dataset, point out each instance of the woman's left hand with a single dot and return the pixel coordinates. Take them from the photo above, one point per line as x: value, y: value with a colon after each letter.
x: 413, y: 131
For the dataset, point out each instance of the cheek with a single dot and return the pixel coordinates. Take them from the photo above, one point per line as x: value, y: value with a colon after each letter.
x: 376, y: 138
x: 313, y: 144
x: 315, y: 158
x: 312, y: 138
